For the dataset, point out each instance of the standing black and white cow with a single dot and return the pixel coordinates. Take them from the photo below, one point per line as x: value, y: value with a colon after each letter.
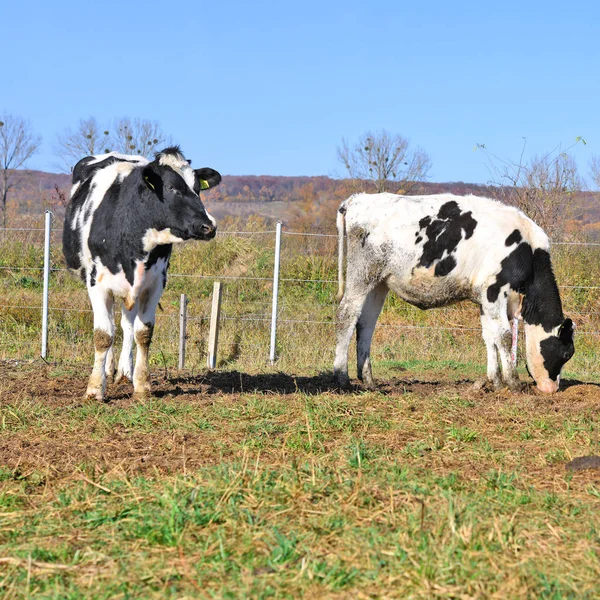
x: 440, y: 249
x: 124, y: 215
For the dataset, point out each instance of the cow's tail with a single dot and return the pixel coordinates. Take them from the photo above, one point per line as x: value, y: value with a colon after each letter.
x: 341, y: 228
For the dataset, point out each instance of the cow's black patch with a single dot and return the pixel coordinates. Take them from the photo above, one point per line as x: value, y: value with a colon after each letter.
x: 442, y: 235
x: 514, y: 238
x: 162, y: 251
x: 445, y: 266
x: 542, y: 305
x: 516, y: 269
x: 557, y: 350
x: 530, y: 273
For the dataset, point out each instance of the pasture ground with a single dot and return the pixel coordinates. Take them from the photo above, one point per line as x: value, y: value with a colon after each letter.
x: 259, y: 485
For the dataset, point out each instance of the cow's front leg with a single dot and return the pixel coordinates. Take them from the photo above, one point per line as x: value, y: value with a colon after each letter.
x: 143, y: 329
x: 125, y: 367
x: 109, y: 365
x: 104, y: 328
x: 498, y: 339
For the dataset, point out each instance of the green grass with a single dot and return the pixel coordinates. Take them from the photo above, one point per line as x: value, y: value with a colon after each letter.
x: 428, y: 492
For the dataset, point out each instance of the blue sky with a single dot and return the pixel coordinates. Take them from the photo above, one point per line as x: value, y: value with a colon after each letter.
x: 270, y: 88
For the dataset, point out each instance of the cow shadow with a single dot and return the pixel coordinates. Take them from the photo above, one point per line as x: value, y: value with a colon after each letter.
x: 237, y: 382
x: 279, y: 383
x: 568, y: 383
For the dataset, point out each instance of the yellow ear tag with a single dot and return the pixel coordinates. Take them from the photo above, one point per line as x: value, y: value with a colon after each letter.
x: 204, y: 185
x: 149, y: 184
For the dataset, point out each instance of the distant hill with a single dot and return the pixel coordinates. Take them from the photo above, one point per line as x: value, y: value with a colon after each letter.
x: 298, y: 201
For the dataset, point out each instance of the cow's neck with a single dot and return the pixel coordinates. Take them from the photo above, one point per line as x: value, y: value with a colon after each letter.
x: 541, y: 304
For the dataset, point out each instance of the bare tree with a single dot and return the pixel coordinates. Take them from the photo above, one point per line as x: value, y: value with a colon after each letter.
x: 137, y: 136
x: 384, y: 158
x: 595, y: 170
x: 17, y: 144
x: 543, y: 187
x: 88, y: 138
x: 128, y: 136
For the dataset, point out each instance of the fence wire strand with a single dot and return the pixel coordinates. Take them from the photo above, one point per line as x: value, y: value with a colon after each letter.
x: 258, y: 309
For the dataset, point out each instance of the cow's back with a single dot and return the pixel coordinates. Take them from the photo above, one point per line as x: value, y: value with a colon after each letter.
x: 91, y: 178
x: 435, y: 249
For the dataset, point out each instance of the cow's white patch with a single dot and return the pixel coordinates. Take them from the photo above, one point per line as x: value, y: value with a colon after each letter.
x: 114, y: 282
x: 130, y: 158
x: 181, y: 166
x: 154, y: 237
x: 211, y: 219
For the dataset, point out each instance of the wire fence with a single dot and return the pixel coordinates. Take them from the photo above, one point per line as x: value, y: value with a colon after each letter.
x: 304, y: 314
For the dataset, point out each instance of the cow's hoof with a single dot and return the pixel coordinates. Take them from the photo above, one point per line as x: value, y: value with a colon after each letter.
x: 93, y: 394
x: 484, y: 384
x: 479, y: 384
x: 142, y: 393
x: 121, y: 376
x: 517, y: 386
x: 369, y: 385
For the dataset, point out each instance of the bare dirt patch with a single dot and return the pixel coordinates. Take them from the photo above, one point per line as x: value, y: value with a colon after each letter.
x: 64, y: 442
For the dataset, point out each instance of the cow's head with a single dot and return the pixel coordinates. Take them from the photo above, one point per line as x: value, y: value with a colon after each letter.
x: 548, y: 352
x: 177, y: 187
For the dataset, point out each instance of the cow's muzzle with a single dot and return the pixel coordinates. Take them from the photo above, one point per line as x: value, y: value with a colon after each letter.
x: 548, y: 386
x: 204, y: 232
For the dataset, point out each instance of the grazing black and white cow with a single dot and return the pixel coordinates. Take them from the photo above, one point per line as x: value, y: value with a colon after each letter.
x: 124, y: 215
x: 439, y: 249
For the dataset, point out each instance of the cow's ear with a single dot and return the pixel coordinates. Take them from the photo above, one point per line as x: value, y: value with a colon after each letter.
x: 208, y: 178
x: 152, y: 180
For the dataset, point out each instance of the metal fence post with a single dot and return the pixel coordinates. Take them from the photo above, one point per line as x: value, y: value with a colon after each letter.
x: 182, y: 329
x: 275, y: 291
x: 46, y: 284
x: 213, y: 334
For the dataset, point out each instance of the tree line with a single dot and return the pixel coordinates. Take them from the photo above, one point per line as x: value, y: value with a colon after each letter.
x: 543, y: 186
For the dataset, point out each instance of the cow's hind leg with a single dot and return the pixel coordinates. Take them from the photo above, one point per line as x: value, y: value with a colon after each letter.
x: 143, y: 330
x: 125, y: 367
x: 348, y: 313
x: 364, y: 331
x: 104, y: 328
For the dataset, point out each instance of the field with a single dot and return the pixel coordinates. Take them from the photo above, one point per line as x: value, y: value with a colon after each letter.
x: 259, y: 481
x: 232, y: 485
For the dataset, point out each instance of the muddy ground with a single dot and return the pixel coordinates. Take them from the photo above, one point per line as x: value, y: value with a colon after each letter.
x: 60, y: 447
